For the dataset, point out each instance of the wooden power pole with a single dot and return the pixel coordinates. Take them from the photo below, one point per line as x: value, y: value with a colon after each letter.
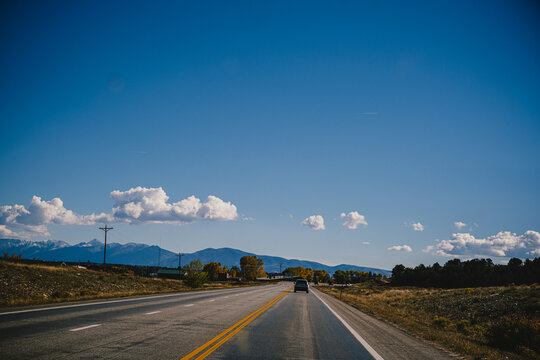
x: 105, y: 247
x: 180, y: 261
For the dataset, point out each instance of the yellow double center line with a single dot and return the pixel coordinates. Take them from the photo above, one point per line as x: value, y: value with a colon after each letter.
x: 230, y: 332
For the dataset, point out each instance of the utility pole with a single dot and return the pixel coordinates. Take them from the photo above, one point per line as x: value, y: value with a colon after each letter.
x: 105, y: 247
x: 180, y: 261
x: 159, y: 253
x: 280, y: 264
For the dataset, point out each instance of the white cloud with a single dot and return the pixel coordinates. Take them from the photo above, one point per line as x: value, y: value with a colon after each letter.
x: 150, y: 205
x: 353, y: 219
x: 6, y: 233
x: 418, y: 226
x: 405, y: 248
x: 135, y: 206
x: 314, y: 222
x: 38, y: 215
x: 460, y: 225
x: 502, y: 244
x: 365, y: 243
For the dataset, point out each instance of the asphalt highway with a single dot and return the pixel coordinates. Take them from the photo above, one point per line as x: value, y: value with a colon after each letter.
x: 264, y: 322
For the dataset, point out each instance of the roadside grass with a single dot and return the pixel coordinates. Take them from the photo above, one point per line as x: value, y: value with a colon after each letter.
x: 22, y: 284
x: 476, y: 323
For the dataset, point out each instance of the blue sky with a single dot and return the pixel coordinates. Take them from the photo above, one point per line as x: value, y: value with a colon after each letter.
x: 423, y: 112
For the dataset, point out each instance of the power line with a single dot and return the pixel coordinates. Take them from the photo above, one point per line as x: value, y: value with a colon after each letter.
x: 105, y: 247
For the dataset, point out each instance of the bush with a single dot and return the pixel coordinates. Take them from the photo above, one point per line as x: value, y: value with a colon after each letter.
x: 517, y: 334
x: 60, y: 294
x: 463, y: 326
x: 86, y: 292
x: 195, y: 279
x: 442, y: 322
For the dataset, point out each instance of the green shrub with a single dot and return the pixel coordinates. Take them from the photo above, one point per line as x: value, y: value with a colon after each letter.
x: 516, y: 334
x: 442, y: 322
x: 195, y: 279
x: 86, y: 292
x: 60, y: 294
x: 129, y: 273
x: 463, y: 326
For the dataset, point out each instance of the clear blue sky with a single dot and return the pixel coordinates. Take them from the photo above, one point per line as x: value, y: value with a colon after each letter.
x: 417, y: 112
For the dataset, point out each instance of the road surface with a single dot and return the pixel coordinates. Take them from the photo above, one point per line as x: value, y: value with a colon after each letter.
x: 264, y: 322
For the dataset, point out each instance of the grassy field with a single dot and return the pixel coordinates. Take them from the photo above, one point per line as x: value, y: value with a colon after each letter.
x: 477, y: 323
x: 22, y: 284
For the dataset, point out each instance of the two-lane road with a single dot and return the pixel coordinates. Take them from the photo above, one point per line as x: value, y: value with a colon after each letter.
x: 269, y: 322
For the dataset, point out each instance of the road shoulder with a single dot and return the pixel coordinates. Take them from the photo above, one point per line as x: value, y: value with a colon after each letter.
x: 387, y: 340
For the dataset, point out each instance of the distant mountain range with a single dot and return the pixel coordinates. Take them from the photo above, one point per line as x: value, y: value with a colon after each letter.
x: 142, y: 254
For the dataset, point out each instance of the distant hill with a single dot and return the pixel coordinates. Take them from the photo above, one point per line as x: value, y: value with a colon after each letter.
x: 142, y: 254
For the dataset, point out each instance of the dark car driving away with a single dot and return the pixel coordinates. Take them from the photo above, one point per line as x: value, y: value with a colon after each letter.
x: 301, y: 285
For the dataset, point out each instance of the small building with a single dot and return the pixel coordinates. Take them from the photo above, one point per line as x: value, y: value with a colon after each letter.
x: 169, y: 274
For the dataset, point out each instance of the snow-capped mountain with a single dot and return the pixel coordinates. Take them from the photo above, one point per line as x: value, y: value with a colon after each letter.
x: 143, y: 254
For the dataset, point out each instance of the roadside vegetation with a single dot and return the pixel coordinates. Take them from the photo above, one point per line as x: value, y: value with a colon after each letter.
x: 28, y: 284
x: 477, y: 322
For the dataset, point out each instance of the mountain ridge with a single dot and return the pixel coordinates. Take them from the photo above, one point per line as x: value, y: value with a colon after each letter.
x: 144, y: 254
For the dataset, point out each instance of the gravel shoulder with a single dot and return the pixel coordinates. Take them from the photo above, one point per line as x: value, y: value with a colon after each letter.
x: 389, y: 341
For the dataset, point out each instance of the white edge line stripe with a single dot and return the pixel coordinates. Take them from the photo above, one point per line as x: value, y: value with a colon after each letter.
x: 353, y: 332
x: 187, y: 293
x: 152, y: 312
x: 85, y: 327
x: 189, y: 305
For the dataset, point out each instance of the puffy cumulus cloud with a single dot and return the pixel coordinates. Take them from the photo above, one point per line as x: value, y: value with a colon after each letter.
x: 38, y: 215
x: 137, y: 206
x: 143, y: 205
x: 314, y: 222
x: 502, y: 244
x: 7, y: 233
x: 460, y: 225
x: 418, y: 226
x: 405, y: 248
x: 353, y: 219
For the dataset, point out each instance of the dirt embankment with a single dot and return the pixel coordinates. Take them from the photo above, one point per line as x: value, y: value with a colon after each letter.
x: 22, y: 284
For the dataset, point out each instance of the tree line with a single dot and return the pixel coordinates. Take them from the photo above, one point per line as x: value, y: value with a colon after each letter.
x: 339, y: 277
x: 196, y: 274
x: 354, y: 277
x: 471, y: 273
x: 308, y: 274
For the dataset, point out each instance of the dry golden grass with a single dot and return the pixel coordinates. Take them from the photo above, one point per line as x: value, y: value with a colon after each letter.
x: 22, y: 284
x: 476, y: 323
